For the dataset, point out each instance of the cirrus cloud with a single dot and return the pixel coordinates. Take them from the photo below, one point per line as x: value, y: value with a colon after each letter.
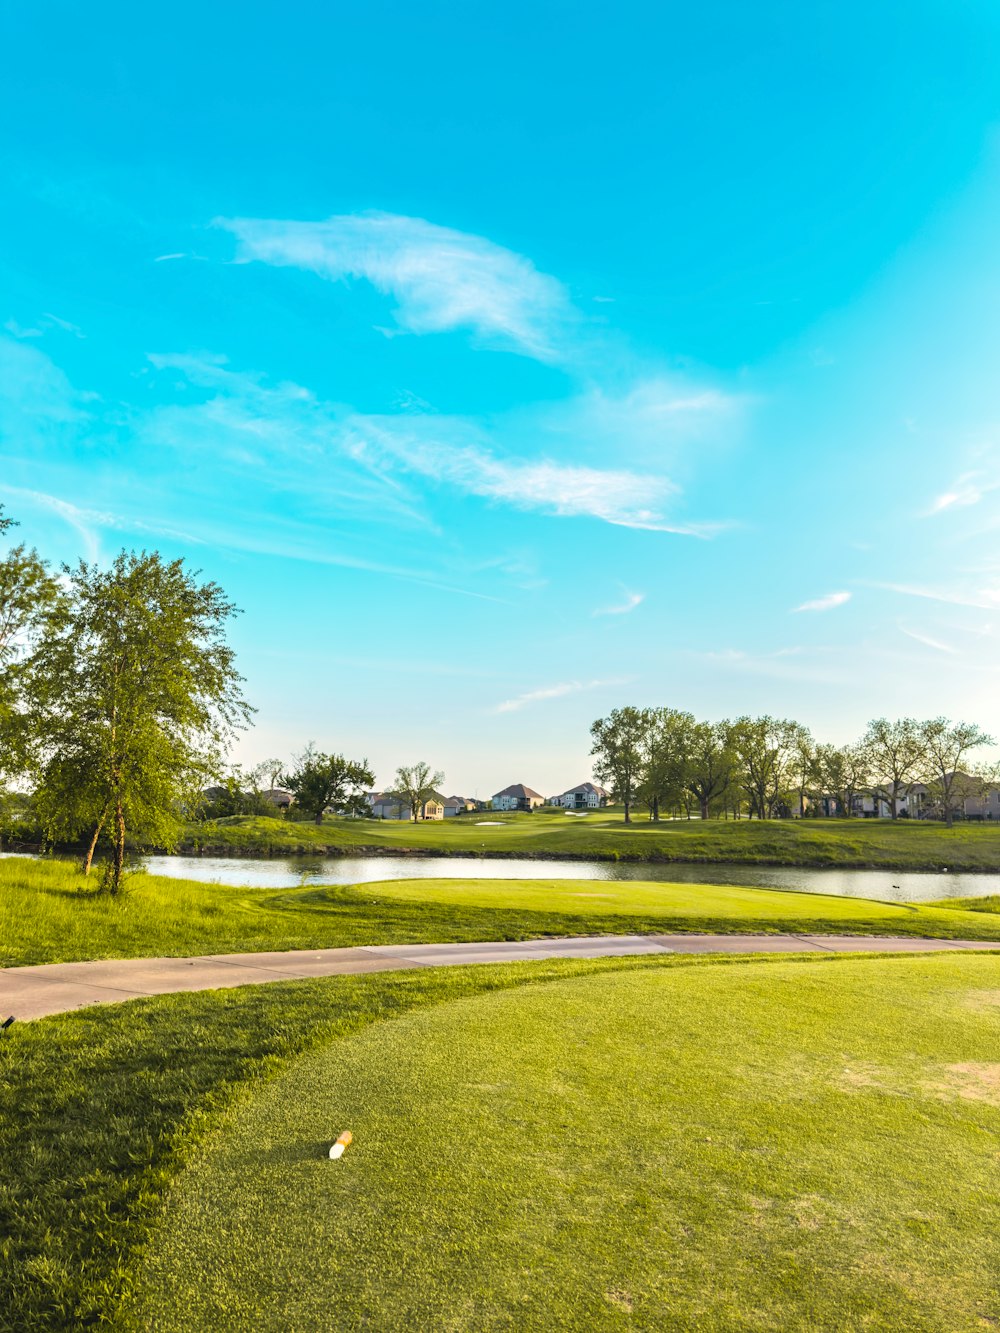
x: 827, y: 603
x: 440, y: 279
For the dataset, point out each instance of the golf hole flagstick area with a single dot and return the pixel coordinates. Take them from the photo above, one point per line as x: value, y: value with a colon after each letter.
x: 52, y: 988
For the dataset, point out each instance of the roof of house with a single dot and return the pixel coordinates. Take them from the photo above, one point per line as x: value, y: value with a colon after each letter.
x: 519, y: 790
x: 586, y: 787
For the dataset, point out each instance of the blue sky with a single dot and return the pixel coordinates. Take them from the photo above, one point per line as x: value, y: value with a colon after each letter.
x: 508, y: 363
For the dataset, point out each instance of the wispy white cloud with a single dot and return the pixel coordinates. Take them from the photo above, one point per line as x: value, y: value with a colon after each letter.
x: 986, y: 598
x: 928, y: 642
x: 826, y: 603
x: 654, y: 417
x: 163, y: 259
x: 84, y: 522
x: 247, y: 419
x: 457, y: 452
x: 42, y: 326
x: 553, y: 692
x: 248, y: 422
x: 967, y: 490
x: 64, y: 324
x: 21, y: 331
x: 629, y: 603
x: 37, y: 400
x: 795, y: 663
x: 440, y: 279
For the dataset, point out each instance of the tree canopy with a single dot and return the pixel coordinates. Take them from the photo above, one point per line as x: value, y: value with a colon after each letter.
x: 415, y: 785
x: 134, y: 693
x: 323, y: 782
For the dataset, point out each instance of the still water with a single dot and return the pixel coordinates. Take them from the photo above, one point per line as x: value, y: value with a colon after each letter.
x: 288, y: 872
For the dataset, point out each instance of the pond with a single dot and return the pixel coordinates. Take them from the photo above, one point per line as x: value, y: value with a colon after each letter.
x: 292, y: 871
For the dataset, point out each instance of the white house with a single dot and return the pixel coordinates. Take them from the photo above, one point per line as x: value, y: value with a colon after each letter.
x: 517, y: 797
x: 585, y: 797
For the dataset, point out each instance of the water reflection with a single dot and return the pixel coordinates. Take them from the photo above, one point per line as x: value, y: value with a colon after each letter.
x: 287, y: 872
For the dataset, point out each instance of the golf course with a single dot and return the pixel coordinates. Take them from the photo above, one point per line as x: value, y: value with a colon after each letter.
x: 665, y: 1142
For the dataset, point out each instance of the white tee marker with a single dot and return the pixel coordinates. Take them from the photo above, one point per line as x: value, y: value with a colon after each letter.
x: 341, y: 1146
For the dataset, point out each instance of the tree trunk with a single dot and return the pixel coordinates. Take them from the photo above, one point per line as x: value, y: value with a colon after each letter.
x: 89, y: 857
x: 118, y: 864
x: 319, y: 815
x: 654, y: 810
x: 627, y: 804
x: 704, y: 807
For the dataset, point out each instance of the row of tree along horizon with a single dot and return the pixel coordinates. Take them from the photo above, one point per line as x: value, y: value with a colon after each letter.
x: 669, y: 762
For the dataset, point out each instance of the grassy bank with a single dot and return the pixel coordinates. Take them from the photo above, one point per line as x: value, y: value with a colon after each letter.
x: 860, y: 843
x: 48, y: 915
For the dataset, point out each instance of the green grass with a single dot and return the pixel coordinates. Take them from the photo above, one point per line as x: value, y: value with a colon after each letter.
x: 101, y: 1108
x: 784, y: 1145
x: 45, y: 918
x: 906, y: 845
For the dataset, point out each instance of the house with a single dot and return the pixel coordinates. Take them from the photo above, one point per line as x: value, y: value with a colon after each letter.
x: 984, y: 806
x: 389, y: 805
x: 912, y: 802
x: 457, y: 805
x: 587, y: 796
x: 279, y: 797
x: 517, y: 797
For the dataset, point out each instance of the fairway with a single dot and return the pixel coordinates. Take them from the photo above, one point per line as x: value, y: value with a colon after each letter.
x: 798, y: 1145
x: 654, y: 900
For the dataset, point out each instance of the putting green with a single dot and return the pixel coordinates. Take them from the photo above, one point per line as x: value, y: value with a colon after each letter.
x: 794, y: 1145
x: 639, y: 898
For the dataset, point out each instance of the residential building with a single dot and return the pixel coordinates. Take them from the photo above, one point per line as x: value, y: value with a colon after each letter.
x: 517, y: 797
x: 388, y: 805
x: 588, y: 796
x: 457, y: 805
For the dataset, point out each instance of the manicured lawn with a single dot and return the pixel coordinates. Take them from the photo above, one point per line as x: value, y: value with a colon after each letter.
x: 100, y: 1108
x: 906, y: 845
x: 45, y: 918
x: 797, y: 1145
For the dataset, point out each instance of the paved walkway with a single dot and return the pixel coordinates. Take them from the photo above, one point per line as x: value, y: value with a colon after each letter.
x: 53, y: 988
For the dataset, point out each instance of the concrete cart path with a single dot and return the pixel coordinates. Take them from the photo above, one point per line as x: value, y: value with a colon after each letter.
x: 53, y: 988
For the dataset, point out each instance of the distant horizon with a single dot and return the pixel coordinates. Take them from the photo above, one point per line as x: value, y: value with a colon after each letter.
x: 509, y: 370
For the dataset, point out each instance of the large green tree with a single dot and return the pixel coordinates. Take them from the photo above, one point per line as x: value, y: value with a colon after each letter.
x: 666, y: 748
x: 947, y: 746
x: 897, y: 757
x: 768, y: 751
x: 840, y: 772
x: 28, y: 596
x: 619, y: 742
x: 710, y: 773
x: 415, y: 785
x: 135, y: 693
x: 329, y: 782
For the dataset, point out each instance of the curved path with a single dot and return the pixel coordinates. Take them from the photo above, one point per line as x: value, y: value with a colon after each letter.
x: 53, y: 988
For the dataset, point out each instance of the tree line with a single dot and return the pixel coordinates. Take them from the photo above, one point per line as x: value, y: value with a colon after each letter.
x: 320, y: 783
x: 668, y: 762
